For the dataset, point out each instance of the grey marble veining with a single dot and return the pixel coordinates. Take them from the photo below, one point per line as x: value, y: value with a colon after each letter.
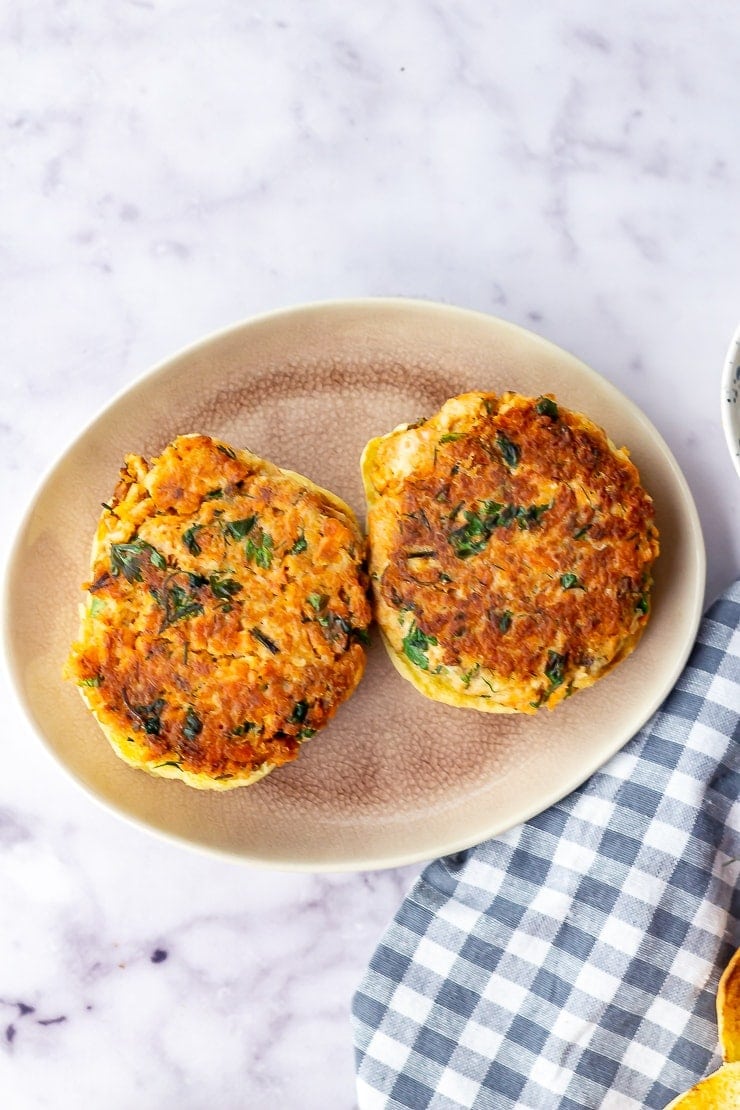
x: 170, y: 169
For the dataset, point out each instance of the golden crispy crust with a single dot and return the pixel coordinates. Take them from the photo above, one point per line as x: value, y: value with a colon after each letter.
x: 225, y: 617
x: 722, y: 1088
x: 728, y: 1010
x: 719, y: 1091
x: 511, y: 551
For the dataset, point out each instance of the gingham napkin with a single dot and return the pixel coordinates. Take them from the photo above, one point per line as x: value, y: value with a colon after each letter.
x: 573, y: 962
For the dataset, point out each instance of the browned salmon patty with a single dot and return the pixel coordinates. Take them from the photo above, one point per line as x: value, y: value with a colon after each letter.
x: 225, y: 617
x: 511, y: 551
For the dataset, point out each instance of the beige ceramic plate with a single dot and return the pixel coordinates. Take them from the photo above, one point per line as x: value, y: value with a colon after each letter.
x: 395, y: 777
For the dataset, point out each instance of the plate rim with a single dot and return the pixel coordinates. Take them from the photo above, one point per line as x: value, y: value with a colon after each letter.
x: 401, y: 858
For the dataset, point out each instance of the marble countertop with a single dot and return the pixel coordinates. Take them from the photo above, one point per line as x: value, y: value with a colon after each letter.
x: 170, y: 169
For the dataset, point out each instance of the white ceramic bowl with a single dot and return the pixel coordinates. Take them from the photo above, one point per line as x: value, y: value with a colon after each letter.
x: 731, y: 399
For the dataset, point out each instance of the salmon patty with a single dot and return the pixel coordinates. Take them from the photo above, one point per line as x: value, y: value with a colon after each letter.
x: 226, y: 614
x: 511, y: 551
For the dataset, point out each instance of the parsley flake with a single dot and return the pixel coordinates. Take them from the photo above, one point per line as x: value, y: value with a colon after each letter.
x: 547, y: 407
x: 128, y: 558
x: 239, y: 529
x: 300, y: 545
x: 188, y: 538
x: 571, y: 582
x: 510, y: 453
x: 260, y: 553
x: 555, y: 669
x: 415, y: 646
x: 193, y: 725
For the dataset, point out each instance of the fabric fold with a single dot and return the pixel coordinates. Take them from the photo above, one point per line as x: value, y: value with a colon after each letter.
x: 573, y: 961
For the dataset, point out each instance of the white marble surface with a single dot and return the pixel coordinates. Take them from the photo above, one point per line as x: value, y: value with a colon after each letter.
x: 170, y: 168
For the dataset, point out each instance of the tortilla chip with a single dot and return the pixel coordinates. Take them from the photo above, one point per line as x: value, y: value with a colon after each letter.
x: 728, y: 1010
x: 720, y: 1091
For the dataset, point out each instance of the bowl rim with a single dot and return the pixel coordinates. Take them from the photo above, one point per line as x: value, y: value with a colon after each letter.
x: 730, y: 423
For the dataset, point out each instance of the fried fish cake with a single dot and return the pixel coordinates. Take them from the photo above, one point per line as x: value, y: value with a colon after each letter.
x: 511, y: 548
x: 226, y: 614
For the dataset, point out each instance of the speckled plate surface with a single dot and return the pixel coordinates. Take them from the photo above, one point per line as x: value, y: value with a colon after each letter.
x: 395, y: 777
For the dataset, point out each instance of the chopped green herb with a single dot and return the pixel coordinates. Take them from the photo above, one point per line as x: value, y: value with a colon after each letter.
x: 243, y: 728
x: 450, y: 437
x: 526, y: 515
x: 152, y: 725
x: 224, y: 588
x: 300, y: 545
x: 261, y: 553
x: 504, y: 621
x: 643, y: 605
x: 168, y: 763
x: 469, y: 675
x: 571, y: 582
x: 581, y: 532
x: 510, y: 453
x: 239, y: 529
x: 265, y: 641
x: 427, y: 554
x: 188, y: 538
x: 472, y: 537
x: 94, y: 680
x: 193, y: 725
x: 228, y: 451
x: 306, y: 733
x: 507, y: 515
x: 197, y: 580
x: 127, y: 559
x: 177, y: 603
x: 96, y: 605
x: 148, y: 716
x: 300, y: 712
x: 443, y: 577
x: 415, y: 646
x: 105, y: 505
x: 547, y: 407
x: 555, y: 669
x: 214, y: 495
x: 335, y: 625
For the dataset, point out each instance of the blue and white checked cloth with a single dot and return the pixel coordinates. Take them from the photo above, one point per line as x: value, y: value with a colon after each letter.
x: 573, y: 962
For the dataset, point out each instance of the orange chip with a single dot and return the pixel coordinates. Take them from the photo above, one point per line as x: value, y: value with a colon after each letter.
x: 728, y: 1010
x: 720, y: 1091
